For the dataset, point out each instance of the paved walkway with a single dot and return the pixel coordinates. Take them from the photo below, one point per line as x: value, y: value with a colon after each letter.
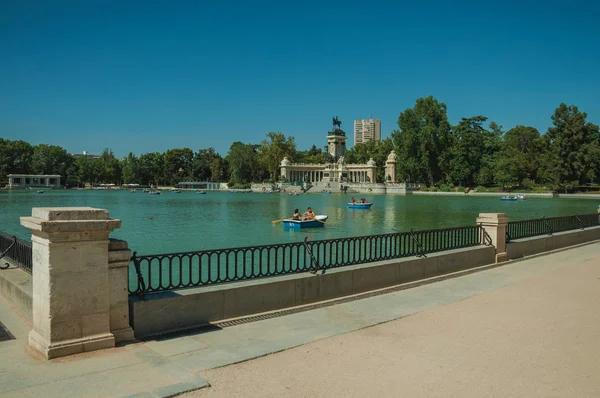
x: 530, y: 328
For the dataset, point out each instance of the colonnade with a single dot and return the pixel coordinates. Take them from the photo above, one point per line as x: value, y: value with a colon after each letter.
x: 358, y: 176
x: 308, y: 175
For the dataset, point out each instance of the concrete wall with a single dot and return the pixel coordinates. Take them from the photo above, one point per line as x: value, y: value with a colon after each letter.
x: 539, y: 244
x: 160, y: 313
x: 16, y: 289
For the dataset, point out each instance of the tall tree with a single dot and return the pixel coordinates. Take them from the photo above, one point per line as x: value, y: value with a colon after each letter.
x: 131, y: 169
x: 51, y: 159
x: 178, y: 165
x: 313, y: 155
x: 574, y: 146
x: 244, y: 166
x: 273, y: 149
x: 423, y: 141
x: 152, y: 167
x: 468, y: 150
x: 378, y: 150
x: 519, y: 158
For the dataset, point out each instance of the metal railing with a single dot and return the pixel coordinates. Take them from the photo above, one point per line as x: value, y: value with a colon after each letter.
x: 16, y: 250
x: 164, y: 272
x: 550, y: 225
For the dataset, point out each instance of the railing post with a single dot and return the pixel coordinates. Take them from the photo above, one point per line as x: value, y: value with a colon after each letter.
x: 71, y: 291
x: 495, y: 226
x: 118, y: 277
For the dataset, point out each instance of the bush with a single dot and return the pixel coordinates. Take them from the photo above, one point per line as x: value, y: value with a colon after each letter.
x: 527, y: 184
x: 446, y: 188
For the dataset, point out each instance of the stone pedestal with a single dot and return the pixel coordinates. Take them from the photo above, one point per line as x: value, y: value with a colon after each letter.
x: 71, y: 291
x: 495, y: 226
x: 118, y: 280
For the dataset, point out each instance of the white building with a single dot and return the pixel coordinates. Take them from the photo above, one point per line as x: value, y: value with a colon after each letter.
x: 366, y: 130
x: 24, y: 181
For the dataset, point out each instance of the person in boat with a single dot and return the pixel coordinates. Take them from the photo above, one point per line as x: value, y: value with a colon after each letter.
x: 308, y: 214
x: 297, y: 215
x: 354, y: 201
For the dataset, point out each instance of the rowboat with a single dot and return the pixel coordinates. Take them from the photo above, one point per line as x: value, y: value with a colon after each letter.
x: 319, y: 221
x: 201, y: 192
x: 40, y: 191
x: 509, y: 198
x: 360, y: 205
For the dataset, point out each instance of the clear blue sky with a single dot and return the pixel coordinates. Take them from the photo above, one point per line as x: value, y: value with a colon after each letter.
x: 150, y: 75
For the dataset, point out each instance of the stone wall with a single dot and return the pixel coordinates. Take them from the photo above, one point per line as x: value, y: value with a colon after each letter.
x: 180, y: 309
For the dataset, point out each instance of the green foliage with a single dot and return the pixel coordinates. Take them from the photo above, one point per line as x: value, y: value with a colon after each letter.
x: 378, y: 150
x: 273, y: 149
x: 423, y: 142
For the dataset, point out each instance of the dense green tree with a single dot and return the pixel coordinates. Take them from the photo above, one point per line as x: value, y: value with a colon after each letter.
x: 378, y: 150
x: 15, y: 158
x: 131, y: 169
x: 51, y: 159
x: 106, y: 169
x: 273, y: 149
x: 468, y: 150
x: 423, y: 142
x: 520, y: 156
x: 313, y: 155
x: 574, y: 147
x: 178, y: 165
x: 204, y: 163
x: 152, y: 168
x: 244, y: 166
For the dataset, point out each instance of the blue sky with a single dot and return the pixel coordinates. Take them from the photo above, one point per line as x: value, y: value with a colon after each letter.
x: 149, y: 75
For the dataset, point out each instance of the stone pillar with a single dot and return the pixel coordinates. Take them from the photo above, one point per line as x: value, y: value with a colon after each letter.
x: 495, y: 226
x: 119, y: 257
x: 71, y: 292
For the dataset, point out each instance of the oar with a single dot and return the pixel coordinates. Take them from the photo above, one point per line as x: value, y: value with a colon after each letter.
x: 324, y: 222
x: 276, y: 221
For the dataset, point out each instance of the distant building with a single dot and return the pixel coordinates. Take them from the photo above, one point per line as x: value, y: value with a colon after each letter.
x: 85, y: 154
x: 25, y: 181
x: 366, y: 130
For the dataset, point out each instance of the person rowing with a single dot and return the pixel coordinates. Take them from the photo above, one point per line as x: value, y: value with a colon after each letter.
x: 308, y: 214
x: 297, y: 216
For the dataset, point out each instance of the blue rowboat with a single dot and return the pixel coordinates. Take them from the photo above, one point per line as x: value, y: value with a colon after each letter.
x: 509, y: 199
x: 297, y: 224
x: 360, y: 205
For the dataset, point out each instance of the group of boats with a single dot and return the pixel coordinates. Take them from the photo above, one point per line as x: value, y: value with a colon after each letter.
x: 512, y: 198
x: 158, y: 192
x: 320, y: 220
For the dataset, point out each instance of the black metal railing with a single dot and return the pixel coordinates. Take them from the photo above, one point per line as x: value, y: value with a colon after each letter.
x: 16, y: 250
x: 548, y: 226
x: 163, y: 272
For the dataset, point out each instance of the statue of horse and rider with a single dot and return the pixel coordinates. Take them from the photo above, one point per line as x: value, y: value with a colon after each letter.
x: 337, y: 122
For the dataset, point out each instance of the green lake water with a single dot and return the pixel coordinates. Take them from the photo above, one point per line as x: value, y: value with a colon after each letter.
x: 188, y: 221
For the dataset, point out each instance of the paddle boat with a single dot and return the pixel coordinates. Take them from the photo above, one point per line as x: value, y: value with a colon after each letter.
x: 319, y: 221
x: 359, y: 205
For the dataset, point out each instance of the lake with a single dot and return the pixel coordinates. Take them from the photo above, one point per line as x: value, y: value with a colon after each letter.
x: 187, y: 221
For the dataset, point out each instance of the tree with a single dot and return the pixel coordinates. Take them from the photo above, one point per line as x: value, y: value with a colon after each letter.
x: 492, y: 143
x: 468, y: 150
x: 244, y: 166
x: 574, y: 146
x: 178, y: 165
x: 15, y: 158
x: 423, y: 141
x: 520, y: 156
x: 378, y: 150
x: 273, y: 149
x: 131, y: 169
x: 106, y: 168
x: 151, y: 168
x: 51, y: 159
x: 313, y: 156
x: 205, y: 160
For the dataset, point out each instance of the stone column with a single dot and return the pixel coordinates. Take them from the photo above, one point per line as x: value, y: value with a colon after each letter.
x: 119, y: 257
x: 495, y: 226
x: 71, y: 292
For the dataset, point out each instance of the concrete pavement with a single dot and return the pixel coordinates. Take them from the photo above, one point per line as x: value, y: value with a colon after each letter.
x: 408, y: 353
